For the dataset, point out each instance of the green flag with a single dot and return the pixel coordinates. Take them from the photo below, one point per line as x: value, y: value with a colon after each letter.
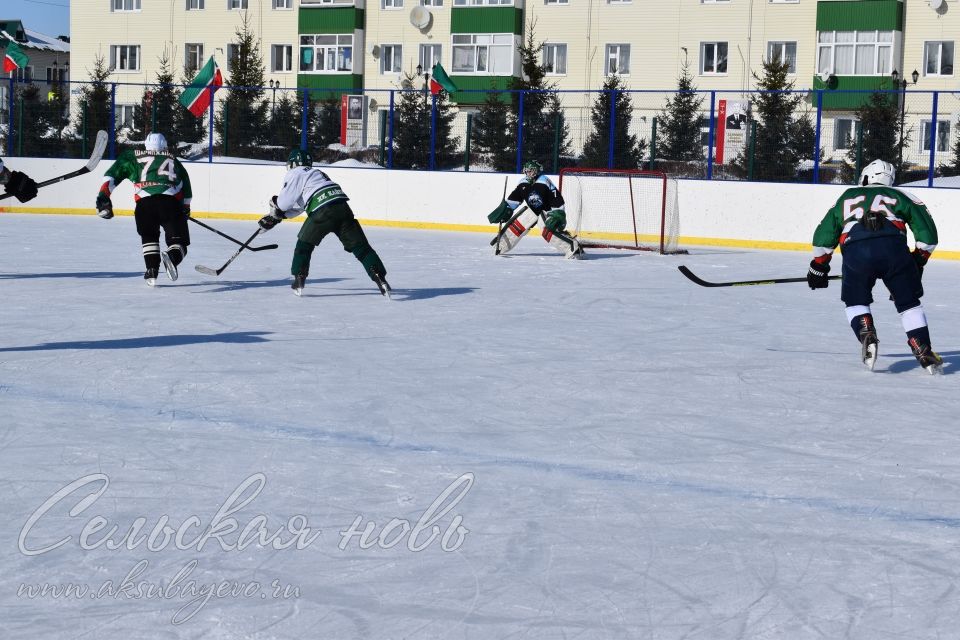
x: 15, y: 58
x: 440, y: 80
x: 196, y: 97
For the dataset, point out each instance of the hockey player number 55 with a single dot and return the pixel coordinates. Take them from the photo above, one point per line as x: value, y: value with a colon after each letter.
x: 879, y: 205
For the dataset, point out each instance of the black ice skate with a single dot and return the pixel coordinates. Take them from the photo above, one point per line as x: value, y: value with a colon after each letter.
x: 926, y: 356
x: 150, y: 276
x: 298, y: 282
x: 169, y: 266
x: 868, y: 343
x: 382, y: 284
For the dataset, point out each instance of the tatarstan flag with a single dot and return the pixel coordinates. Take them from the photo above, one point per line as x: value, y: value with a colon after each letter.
x: 15, y: 58
x: 440, y: 80
x: 196, y: 98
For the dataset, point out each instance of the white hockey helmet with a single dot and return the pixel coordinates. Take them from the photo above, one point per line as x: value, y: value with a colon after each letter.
x: 878, y: 172
x: 155, y: 142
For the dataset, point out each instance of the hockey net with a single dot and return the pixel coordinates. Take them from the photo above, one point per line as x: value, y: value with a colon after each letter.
x: 622, y: 208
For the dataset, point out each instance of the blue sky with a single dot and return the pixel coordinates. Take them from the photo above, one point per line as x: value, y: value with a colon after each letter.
x: 46, y: 16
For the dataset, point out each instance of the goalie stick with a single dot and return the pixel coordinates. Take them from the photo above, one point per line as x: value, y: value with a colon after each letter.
x: 98, y: 148
x: 215, y: 272
x: 264, y: 247
x: 741, y: 283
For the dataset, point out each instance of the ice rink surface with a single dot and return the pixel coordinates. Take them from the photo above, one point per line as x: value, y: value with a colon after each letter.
x: 538, y: 448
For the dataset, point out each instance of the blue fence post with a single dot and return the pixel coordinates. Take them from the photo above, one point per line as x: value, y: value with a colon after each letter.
x: 933, y: 136
x: 433, y: 133
x: 713, y: 106
x: 113, y: 120
x: 816, y: 138
x: 10, y: 117
x: 210, y: 109
x: 613, y: 127
x: 390, y: 148
x: 520, y: 135
x: 305, y: 120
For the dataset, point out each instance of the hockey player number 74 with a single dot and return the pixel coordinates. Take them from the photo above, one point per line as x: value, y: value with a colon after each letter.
x: 166, y: 168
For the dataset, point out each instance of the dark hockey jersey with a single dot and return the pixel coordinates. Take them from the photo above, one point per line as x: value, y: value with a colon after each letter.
x: 541, y: 195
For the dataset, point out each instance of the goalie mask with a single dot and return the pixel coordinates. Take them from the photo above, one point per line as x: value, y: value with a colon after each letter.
x: 878, y: 172
x: 532, y: 170
x: 299, y: 158
x: 155, y: 142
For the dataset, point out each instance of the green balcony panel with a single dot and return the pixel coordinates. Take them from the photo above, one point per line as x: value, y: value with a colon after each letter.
x: 481, y: 83
x: 486, y: 20
x: 835, y: 100
x: 330, y: 85
x: 336, y: 20
x: 860, y: 15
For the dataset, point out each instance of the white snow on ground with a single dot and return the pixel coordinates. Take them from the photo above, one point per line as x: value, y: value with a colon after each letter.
x: 648, y: 458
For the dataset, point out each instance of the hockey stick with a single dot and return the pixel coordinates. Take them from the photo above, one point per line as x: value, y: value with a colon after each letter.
x: 506, y: 225
x: 98, y: 148
x: 215, y: 272
x: 741, y: 283
x: 231, y: 238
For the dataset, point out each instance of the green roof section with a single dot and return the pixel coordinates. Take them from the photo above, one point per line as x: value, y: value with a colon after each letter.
x: 848, y: 93
x: 859, y: 15
x: 481, y: 83
x: 331, y: 85
x: 14, y: 28
x: 486, y: 20
x: 332, y: 20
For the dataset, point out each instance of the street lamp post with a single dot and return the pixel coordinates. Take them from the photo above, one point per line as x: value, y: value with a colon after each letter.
x: 902, y: 87
x: 426, y: 81
x: 274, y: 85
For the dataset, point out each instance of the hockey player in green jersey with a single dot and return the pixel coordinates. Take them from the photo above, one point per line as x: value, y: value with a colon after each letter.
x: 17, y: 184
x: 310, y: 190
x: 870, y: 221
x: 162, y: 194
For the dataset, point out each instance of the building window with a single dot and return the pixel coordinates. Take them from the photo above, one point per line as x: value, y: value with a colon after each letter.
x: 23, y: 74
x: 713, y: 58
x: 283, y: 4
x: 281, y: 58
x: 943, y: 136
x: 429, y: 56
x: 617, y: 61
x: 938, y: 58
x: 391, y: 58
x: 431, y: 3
x: 124, y: 116
x: 555, y: 1
x: 313, y: 3
x: 56, y: 75
x: 126, y: 5
x: 326, y: 53
x: 783, y: 52
x: 619, y: 1
x: 483, y: 53
x: 855, y: 53
x: 714, y: 1
x: 236, y: 4
x: 193, y: 56
x: 233, y: 54
x: 555, y: 58
x: 477, y: 3
x: 194, y: 5
x: 125, y: 57
x: 843, y: 129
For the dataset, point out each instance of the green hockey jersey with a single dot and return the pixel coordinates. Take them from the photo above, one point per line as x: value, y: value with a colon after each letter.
x: 896, y: 209
x: 152, y: 173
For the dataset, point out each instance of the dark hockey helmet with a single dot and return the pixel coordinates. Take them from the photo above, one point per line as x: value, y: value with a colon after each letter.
x: 299, y: 158
x: 532, y: 170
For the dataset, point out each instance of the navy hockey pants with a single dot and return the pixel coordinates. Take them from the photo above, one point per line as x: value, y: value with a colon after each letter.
x: 885, y: 258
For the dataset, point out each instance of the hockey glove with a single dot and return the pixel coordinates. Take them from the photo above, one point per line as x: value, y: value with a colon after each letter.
x: 501, y: 214
x: 555, y: 221
x: 21, y: 186
x: 273, y: 218
x: 817, y: 275
x: 104, y: 206
x: 920, y: 257
x: 185, y: 209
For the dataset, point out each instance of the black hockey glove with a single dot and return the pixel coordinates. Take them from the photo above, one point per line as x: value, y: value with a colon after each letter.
x: 273, y: 218
x: 21, y: 186
x: 817, y: 275
x: 104, y: 206
x: 920, y: 257
x: 185, y: 209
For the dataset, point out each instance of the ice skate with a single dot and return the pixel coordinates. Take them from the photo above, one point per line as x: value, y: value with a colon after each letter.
x: 298, y: 282
x: 868, y: 348
x: 150, y: 276
x: 169, y: 266
x: 382, y: 284
x: 926, y: 356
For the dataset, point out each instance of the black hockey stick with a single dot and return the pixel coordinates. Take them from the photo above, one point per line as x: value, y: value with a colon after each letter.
x: 231, y: 238
x: 741, y: 283
x: 215, y: 272
x: 98, y: 148
x: 506, y: 225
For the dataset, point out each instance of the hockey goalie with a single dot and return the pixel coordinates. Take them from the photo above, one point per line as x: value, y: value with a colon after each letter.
x: 535, y: 199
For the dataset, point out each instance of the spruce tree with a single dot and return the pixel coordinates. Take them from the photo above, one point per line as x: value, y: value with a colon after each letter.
x: 285, y: 121
x: 628, y: 150
x: 325, y: 124
x: 93, y: 107
x: 879, y: 119
x: 680, y: 123
x: 492, y: 135
x: 32, y: 122
x: 242, y: 117
x: 412, y: 132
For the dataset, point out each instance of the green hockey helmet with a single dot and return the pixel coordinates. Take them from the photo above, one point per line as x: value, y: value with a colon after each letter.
x: 532, y: 170
x: 299, y: 158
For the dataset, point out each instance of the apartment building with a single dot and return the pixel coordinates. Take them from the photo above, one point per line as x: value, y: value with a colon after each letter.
x: 349, y: 45
x: 49, y: 61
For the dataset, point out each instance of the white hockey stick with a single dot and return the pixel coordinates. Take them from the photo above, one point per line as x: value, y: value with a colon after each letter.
x: 98, y: 148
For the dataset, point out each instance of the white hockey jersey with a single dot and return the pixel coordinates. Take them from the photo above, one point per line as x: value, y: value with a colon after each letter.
x: 303, y: 184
